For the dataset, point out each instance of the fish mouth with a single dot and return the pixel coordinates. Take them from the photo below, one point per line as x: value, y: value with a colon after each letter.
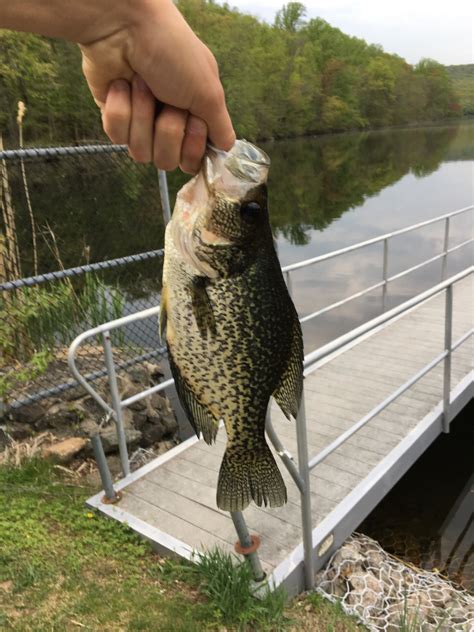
x: 238, y: 170
x: 233, y: 173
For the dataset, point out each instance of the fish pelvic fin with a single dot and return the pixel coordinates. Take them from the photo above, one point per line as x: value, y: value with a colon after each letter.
x: 200, y: 418
x: 288, y: 392
x: 252, y: 475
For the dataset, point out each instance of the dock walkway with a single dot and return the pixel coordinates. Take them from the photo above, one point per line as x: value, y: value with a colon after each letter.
x: 171, y: 500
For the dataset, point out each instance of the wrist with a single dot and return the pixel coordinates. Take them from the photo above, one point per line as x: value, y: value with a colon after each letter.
x: 74, y: 20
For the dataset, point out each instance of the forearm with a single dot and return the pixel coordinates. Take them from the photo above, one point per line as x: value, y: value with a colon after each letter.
x: 81, y: 21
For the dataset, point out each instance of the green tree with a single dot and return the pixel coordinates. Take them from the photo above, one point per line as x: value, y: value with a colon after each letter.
x: 290, y: 17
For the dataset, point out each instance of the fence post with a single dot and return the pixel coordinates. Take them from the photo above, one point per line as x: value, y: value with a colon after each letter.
x: 306, y: 519
x: 116, y: 402
x: 164, y: 195
x: 385, y: 272
x: 448, y: 335
x: 110, y: 494
x: 248, y: 545
x: 444, y: 267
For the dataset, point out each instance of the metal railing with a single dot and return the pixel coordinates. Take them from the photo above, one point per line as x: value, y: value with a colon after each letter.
x: 287, y: 270
x: 300, y: 473
x: 306, y: 464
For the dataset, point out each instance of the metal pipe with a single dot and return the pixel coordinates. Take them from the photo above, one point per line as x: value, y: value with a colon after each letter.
x: 246, y: 542
x: 374, y: 240
x: 385, y: 272
x: 283, y: 453
x: 78, y: 270
x: 304, y: 319
x: 381, y: 283
x: 48, y: 152
x: 444, y: 266
x: 116, y: 403
x: 164, y: 195
x: 448, y: 339
x: 149, y: 391
x: 305, y: 495
x: 334, y: 445
x: 104, y: 471
x: 336, y: 344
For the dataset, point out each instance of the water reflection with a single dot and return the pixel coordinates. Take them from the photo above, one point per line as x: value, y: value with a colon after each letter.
x: 325, y: 193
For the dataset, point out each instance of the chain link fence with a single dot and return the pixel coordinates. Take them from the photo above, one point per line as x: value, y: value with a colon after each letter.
x: 62, y: 206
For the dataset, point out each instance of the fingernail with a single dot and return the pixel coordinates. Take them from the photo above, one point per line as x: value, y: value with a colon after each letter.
x: 140, y: 84
x: 121, y: 85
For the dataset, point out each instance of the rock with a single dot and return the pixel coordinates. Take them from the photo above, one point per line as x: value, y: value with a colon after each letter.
x: 154, y: 370
x: 169, y: 423
x: 110, y: 440
x: 139, y: 375
x: 153, y: 431
x: 59, y: 417
x: 66, y: 450
x: 139, y: 419
x: 29, y: 413
x: 19, y: 431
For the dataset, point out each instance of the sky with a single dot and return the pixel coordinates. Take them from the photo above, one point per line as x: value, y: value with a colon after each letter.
x: 413, y: 29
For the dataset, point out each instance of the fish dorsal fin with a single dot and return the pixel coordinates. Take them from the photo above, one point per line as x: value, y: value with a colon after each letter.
x: 288, y: 392
x: 200, y: 418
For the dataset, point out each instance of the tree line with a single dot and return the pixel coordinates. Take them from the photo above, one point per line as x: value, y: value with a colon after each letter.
x: 292, y: 78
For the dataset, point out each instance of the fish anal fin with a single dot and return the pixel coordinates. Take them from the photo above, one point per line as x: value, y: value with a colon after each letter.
x: 200, y: 417
x: 288, y: 392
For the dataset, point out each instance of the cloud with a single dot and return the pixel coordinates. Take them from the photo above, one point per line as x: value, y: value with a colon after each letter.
x: 412, y: 29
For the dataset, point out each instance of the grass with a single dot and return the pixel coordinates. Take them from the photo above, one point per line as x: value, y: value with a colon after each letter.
x: 63, y: 567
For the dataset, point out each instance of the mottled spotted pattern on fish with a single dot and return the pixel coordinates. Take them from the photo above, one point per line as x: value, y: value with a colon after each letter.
x: 233, y: 334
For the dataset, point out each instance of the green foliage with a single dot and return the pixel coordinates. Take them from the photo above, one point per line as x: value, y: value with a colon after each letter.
x: 64, y: 567
x: 335, y: 619
x: 33, y: 320
x: 462, y: 77
x: 292, y: 78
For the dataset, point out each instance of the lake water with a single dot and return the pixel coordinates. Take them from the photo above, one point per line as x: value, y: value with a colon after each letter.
x: 325, y: 193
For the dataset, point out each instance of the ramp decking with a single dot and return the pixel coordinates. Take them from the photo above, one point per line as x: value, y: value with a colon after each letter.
x: 171, y: 500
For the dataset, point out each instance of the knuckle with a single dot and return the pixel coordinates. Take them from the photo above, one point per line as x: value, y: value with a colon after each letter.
x: 165, y: 164
x: 170, y: 128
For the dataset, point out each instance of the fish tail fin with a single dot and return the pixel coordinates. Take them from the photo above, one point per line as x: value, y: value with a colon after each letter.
x: 253, y: 475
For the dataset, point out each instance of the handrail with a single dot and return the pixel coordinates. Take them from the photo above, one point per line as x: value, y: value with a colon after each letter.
x: 306, y: 465
x: 373, y: 240
x: 301, y: 472
x: 336, y: 344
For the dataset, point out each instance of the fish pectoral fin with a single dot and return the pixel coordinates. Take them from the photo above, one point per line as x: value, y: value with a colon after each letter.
x: 163, y: 311
x: 288, y: 392
x: 202, y: 307
x: 200, y: 418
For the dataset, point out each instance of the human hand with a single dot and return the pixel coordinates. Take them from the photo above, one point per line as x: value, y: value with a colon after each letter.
x: 156, y: 56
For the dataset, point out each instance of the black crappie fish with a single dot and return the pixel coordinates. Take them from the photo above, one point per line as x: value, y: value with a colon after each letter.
x: 233, y: 334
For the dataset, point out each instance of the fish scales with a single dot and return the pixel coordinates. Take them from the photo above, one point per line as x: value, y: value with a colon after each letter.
x: 232, y: 331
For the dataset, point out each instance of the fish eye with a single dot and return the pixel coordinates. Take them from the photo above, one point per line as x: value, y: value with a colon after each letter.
x: 250, y: 210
